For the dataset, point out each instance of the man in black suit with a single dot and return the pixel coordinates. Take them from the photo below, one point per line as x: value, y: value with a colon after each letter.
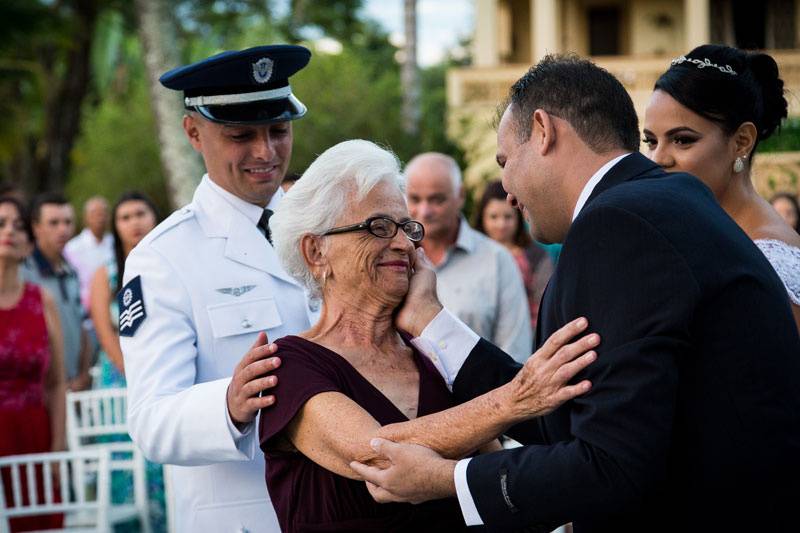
x: 693, y: 418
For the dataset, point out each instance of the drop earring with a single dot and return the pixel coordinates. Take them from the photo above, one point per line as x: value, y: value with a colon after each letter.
x: 738, y: 165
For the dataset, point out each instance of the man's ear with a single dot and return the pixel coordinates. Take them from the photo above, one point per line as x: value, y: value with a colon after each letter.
x: 543, y: 131
x: 191, y: 127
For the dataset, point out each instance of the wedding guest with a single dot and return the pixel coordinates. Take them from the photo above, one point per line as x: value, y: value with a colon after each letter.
x: 344, y: 231
x: 787, y: 207
x: 32, y: 388
x: 53, y: 221
x: 505, y: 224
x: 92, y: 247
x: 706, y: 116
x: 132, y: 217
x: 476, y: 278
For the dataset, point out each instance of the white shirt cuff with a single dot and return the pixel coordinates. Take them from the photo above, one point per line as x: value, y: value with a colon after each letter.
x: 447, y: 342
x: 468, y: 509
x: 245, y: 439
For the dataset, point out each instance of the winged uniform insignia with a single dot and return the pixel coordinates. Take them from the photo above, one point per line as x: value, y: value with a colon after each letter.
x: 236, y: 291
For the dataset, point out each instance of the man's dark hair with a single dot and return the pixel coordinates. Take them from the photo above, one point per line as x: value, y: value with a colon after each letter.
x: 44, y: 199
x: 593, y: 101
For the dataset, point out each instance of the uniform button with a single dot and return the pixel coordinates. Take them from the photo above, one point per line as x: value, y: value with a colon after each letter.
x: 246, y: 324
x: 442, y: 345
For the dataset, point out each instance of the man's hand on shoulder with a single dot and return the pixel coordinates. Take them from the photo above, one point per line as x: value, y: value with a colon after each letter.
x: 250, y: 379
x: 421, y: 304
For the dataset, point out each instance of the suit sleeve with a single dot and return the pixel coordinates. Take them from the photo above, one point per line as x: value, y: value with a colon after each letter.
x: 171, y: 418
x: 512, y: 330
x: 638, y: 294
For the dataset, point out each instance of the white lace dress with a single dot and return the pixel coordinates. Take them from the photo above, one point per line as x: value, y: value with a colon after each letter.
x: 785, y: 259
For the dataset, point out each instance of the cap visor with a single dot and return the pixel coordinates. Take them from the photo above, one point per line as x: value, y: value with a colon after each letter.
x: 264, y: 112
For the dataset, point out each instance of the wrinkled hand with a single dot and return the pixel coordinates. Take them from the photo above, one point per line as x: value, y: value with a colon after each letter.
x: 542, y: 383
x: 250, y: 379
x: 421, y: 304
x: 416, y: 474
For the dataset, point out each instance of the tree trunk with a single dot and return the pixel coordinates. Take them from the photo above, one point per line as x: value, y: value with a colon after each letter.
x: 181, y: 164
x: 64, y: 103
x: 410, y: 74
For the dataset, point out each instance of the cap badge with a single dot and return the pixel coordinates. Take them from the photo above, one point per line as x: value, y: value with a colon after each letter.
x: 262, y: 70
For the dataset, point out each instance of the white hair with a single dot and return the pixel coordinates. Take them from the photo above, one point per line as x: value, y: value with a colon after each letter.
x: 341, y: 176
x: 453, y: 171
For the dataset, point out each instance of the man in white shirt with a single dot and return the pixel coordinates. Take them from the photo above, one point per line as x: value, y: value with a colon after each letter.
x: 92, y: 247
x: 477, y: 278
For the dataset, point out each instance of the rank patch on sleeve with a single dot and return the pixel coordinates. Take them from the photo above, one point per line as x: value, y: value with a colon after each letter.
x: 131, y: 307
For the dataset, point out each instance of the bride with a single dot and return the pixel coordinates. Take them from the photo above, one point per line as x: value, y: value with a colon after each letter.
x: 706, y: 116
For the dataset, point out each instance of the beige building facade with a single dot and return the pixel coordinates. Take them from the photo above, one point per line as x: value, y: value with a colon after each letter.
x: 633, y: 39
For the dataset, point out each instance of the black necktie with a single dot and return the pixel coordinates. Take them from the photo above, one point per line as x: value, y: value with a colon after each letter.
x: 263, y: 224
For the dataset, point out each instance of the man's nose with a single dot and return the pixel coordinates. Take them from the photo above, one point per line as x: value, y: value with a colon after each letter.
x: 263, y: 148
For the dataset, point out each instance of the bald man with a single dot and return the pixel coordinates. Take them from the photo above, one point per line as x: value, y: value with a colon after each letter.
x: 477, y: 278
x: 92, y: 247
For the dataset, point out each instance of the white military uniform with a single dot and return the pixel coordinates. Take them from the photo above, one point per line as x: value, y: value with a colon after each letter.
x: 209, y: 283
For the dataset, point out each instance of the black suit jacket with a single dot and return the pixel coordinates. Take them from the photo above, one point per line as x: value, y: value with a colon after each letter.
x: 693, y: 420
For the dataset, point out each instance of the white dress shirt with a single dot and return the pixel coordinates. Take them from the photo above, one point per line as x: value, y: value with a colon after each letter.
x: 86, y: 254
x: 447, y: 342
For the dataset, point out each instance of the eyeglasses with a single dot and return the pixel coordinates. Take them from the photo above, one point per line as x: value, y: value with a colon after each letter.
x: 385, y: 228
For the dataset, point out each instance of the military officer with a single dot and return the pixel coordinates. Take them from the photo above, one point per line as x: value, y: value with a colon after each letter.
x: 202, y: 286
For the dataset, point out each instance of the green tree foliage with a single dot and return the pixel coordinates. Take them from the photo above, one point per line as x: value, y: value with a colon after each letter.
x: 354, y: 94
x: 118, y: 149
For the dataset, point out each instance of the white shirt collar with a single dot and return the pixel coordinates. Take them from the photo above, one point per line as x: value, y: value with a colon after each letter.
x: 592, y: 183
x: 251, y: 211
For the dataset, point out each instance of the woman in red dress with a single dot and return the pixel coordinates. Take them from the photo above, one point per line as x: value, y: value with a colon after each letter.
x: 32, y: 386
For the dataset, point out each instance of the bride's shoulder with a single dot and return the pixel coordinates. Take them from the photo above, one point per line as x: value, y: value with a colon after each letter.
x: 785, y: 259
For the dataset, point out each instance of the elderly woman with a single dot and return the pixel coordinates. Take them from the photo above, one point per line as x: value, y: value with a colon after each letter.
x: 344, y: 231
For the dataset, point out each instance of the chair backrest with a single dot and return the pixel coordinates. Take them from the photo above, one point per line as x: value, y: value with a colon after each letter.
x: 28, y: 479
x: 96, y: 413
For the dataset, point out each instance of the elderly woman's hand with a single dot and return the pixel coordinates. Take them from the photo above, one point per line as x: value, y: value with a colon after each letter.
x: 542, y: 383
x: 421, y: 304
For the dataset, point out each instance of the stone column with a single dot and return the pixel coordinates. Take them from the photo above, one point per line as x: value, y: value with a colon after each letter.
x: 545, y: 28
x: 696, y: 22
x: 485, y: 48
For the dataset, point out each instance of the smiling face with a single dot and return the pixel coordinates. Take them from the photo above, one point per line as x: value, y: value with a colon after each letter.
x: 369, y: 267
x: 13, y: 239
x: 133, y: 219
x: 682, y: 141
x: 247, y: 161
x: 532, y: 187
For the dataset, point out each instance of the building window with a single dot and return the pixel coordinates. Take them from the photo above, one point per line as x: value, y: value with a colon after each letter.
x: 604, y: 31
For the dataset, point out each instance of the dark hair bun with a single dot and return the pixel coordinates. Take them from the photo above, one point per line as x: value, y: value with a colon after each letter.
x: 774, y: 106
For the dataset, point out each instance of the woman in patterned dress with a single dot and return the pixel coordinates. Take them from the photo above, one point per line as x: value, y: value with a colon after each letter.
x: 706, y: 116
x: 505, y: 224
x: 132, y: 217
x: 32, y: 382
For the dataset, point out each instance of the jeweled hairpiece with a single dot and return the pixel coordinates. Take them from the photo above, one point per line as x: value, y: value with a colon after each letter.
x: 703, y: 63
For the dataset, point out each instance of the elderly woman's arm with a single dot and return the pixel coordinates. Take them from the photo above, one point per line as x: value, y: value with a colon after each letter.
x: 332, y: 430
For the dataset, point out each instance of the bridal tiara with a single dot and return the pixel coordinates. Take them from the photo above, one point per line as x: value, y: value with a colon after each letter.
x: 703, y: 63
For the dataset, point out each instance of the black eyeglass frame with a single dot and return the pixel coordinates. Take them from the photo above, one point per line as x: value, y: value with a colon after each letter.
x: 367, y: 225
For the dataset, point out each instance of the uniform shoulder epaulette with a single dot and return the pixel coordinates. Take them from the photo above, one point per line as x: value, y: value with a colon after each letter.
x: 174, y: 220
